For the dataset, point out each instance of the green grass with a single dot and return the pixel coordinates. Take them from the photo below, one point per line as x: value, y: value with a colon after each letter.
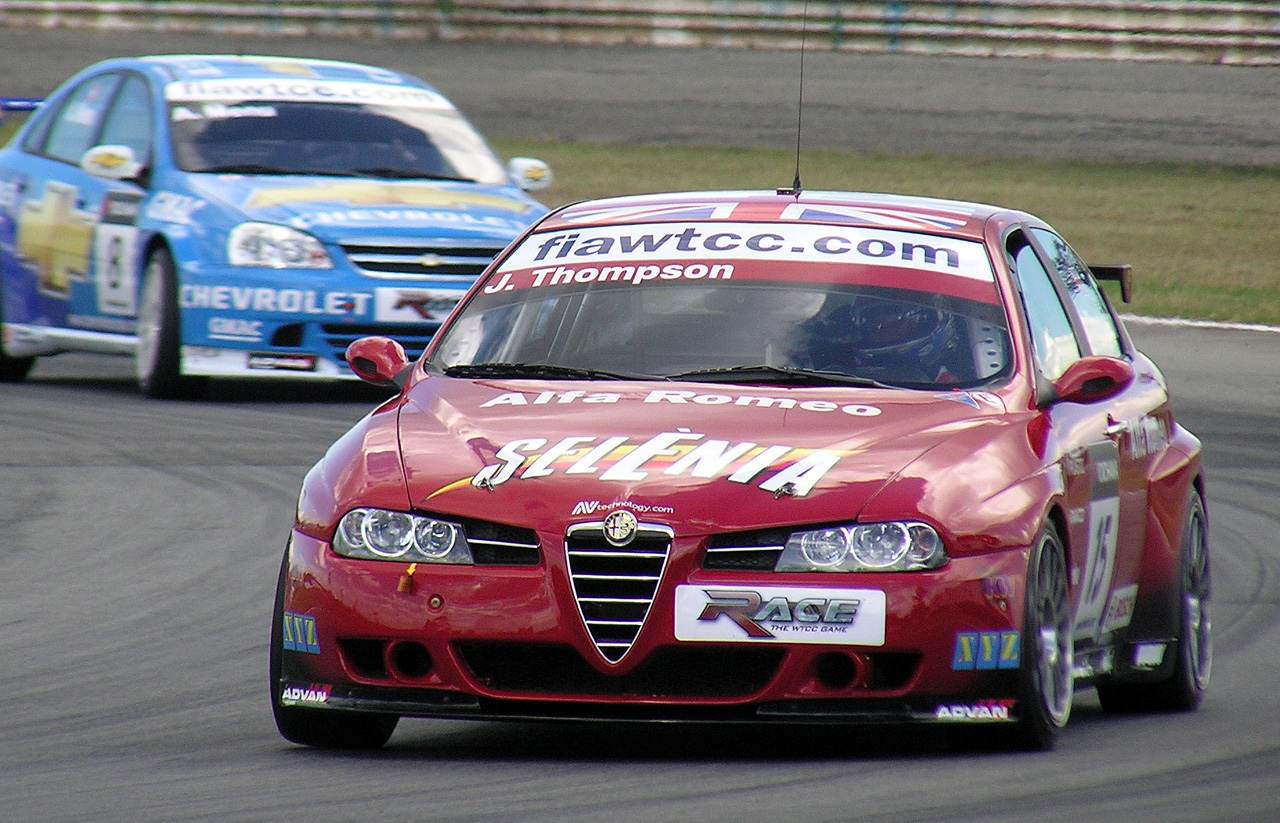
x: 1204, y: 241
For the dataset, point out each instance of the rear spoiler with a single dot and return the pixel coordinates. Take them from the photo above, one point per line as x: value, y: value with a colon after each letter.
x: 18, y: 104
x: 1121, y: 273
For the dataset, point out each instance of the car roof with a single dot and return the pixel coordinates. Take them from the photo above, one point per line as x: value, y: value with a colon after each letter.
x: 920, y: 214
x: 196, y: 67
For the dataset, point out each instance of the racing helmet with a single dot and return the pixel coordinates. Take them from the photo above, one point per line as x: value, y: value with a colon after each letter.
x: 885, y: 332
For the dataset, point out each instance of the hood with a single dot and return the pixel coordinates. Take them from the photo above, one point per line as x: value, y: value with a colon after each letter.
x: 334, y: 208
x: 697, y: 457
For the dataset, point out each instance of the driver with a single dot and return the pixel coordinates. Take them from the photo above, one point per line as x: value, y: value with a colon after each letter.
x: 896, y: 341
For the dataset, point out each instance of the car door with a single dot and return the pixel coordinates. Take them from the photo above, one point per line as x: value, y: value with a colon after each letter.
x: 73, y: 236
x: 1135, y: 425
x: 1105, y: 510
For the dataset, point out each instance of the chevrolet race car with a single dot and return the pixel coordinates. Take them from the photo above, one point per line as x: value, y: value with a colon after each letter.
x: 243, y: 216
x: 746, y: 456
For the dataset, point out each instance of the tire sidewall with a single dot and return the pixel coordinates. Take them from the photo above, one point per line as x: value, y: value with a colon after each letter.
x: 1038, y: 726
x: 160, y: 374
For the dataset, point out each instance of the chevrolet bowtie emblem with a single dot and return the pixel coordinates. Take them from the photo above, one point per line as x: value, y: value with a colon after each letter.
x: 429, y: 260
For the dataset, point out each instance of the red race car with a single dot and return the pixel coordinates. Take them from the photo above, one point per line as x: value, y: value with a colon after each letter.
x: 751, y: 456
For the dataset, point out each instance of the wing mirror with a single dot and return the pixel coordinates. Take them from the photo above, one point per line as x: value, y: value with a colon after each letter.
x: 1092, y: 379
x: 529, y: 174
x: 111, y: 162
x: 378, y: 360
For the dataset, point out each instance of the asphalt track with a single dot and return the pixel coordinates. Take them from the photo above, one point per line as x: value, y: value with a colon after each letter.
x: 139, y: 543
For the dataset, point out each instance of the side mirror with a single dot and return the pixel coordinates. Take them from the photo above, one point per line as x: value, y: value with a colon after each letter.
x: 378, y: 360
x: 529, y: 174
x: 111, y: 162
x: 1092, y: 379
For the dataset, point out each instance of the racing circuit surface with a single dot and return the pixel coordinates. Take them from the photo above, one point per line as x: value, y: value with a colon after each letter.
x: 141, y: 540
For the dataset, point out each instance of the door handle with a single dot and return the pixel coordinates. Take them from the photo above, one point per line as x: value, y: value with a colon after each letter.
x: 1115, y: 427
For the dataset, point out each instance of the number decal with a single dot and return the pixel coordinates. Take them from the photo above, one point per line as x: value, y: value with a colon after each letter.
x: 115, y: 254
x: 1103, y: 467
x: 113, y: 262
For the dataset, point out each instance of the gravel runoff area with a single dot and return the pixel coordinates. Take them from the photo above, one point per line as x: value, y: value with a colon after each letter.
x: 891, y: 104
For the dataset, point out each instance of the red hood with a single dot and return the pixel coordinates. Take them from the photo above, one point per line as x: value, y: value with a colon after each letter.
x: 695, y: 456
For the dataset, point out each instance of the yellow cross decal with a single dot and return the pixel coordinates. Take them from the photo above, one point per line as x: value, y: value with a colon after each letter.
x: 56, y: 237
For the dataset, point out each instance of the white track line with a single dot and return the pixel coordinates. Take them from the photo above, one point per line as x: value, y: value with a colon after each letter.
x: 1196, y: 324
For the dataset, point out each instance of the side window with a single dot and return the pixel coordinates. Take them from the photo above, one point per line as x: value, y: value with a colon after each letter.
x: 1054, y: 344
x: 76, y: 123
x: 129, y: 121
x: 1099, y: 327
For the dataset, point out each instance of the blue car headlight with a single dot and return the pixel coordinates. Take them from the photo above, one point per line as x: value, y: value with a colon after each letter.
x: 871, y: 547
x: 380, y: 534
x: 267, y: 245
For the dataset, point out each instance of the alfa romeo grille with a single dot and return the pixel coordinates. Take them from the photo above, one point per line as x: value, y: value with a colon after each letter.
x: 436, y: 261
x: 615, y: 585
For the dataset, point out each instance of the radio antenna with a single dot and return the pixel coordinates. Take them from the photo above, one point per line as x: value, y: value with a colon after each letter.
x: 804, y: 31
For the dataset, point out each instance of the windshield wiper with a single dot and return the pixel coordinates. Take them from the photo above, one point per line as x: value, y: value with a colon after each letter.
x: 547, y: 370
x: 776, y: 374
x: 407, y: 174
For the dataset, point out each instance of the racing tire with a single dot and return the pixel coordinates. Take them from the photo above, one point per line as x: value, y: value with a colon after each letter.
x: 1184, y: 688
x: 159, y: 359
x: 321, y: 728
x: 1045, y: 682
x: 12, y: 369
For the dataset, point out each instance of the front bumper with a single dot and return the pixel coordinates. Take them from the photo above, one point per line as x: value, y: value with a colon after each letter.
x: 509, y: 643
x: 298, y: 324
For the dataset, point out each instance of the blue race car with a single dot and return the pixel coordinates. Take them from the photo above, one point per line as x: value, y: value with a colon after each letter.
x: 244, y: 216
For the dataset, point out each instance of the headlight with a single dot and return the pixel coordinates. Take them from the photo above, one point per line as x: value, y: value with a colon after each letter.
x: 267, y: 245
x: 872, y: 547
x: 378, y: 534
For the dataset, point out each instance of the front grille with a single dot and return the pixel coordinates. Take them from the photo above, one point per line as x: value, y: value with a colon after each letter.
x: 438, y: 261
x: 493, y: 544
x: 615, y: 585
x: 755, y: 551
x: 414, y: 337
x: 671, y: 671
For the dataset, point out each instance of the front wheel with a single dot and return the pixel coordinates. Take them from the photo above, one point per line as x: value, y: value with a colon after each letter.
x: 322, y: 728
x: 1183, y: 690
x: 1045, y: 683
x: 158, y: 362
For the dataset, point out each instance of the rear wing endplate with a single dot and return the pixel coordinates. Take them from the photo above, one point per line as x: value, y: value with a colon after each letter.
x: 1121, y: 273
x: 18, y: 104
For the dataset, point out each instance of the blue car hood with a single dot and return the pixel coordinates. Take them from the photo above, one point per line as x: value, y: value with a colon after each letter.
x: 333, y: 207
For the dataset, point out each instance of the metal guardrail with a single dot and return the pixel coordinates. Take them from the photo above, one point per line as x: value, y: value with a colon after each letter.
x: 1240, y: 32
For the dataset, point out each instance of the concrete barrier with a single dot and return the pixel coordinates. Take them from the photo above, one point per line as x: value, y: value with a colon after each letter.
x: 1239, y: 32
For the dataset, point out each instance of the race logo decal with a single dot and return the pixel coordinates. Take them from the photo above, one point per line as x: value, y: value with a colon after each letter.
x: 315, y: 693
x: 1120, y: 608
x: 281, y: 362
x: 57, y: 238
x: 299, y: 633
x: 779, y: 614
x: 982, y: 711
x: 800, y: 242
x: 414, y: 305
x: 303, y: 90
x: 677, y: 453
x: 983, y: 651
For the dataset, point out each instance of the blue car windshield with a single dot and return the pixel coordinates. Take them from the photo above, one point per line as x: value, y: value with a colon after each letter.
x: 288, y: 137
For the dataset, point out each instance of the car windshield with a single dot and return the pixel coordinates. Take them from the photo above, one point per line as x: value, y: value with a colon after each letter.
x: 360, y: 140
x: 849, y: 324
